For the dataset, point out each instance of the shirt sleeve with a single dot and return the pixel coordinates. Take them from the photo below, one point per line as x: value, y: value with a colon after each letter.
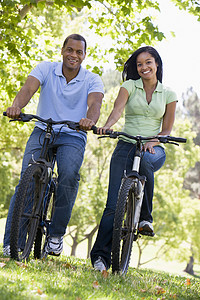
x: 171, y: 97
x: 41, y: 71
x: 129, y: 85
x: 96, y: 85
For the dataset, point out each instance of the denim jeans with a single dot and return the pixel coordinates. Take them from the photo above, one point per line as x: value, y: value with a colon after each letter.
x: 121, y: 160
x: 69, y: 157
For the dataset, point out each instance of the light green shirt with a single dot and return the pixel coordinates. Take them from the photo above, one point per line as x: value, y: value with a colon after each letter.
x: 142, y: 118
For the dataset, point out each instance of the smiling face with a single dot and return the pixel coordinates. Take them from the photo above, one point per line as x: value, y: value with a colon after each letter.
x: 146, y: 66
x: 73, y: 54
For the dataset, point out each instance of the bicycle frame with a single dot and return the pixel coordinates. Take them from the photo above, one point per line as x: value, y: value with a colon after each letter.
x: 129, y: 202
x: 37, y: 189
x: 137, y: 188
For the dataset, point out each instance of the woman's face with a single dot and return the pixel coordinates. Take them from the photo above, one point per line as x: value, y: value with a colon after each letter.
x: 146, y: 66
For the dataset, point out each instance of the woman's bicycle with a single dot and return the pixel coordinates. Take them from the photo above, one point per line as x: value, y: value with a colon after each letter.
x: 129, y: 203
x: 35, y: 197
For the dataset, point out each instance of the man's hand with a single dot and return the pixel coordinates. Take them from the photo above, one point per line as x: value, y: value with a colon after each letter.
x: 86, y: 124
x: 13, y: 112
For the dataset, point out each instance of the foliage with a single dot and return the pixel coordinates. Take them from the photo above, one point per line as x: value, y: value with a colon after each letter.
x: 33, y: 30
x: 192, y: 6
x: 70, y: 278
x: 92, y: 192
x: 172, y: 204
x: 191, y: 110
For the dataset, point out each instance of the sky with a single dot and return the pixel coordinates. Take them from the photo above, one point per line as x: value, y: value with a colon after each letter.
x: 180, y: 54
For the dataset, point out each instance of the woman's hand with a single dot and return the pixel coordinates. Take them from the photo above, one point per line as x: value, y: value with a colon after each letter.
x: 150, y: 146
x: 102, y: 130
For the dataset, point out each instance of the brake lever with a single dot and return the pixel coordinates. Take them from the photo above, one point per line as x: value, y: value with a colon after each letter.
x: 103, y: 136
x: 112, y: 135
x: 22, y: 117
x: 173, y: 143
x: 75, y: 126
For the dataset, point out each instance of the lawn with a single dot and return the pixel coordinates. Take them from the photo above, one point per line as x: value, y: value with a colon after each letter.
x: 74, y: 279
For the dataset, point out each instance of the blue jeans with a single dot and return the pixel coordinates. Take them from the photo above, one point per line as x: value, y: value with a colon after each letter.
x: 69, y: 157
x: 121, y: 160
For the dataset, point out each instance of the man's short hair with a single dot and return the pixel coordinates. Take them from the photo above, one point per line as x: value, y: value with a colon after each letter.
x: 76, y: 37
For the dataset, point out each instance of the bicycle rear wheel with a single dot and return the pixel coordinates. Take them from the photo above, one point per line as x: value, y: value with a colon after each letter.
x: 48, y: 211
x: 123, y: 229
x: 26, y: 213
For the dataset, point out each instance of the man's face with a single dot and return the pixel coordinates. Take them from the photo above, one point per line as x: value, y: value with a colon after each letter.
x: 73, y: 54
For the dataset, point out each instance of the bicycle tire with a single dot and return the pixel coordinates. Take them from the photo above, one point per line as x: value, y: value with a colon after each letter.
x: 26, y: 213
x: 123, y: 229
x: 42, y: 230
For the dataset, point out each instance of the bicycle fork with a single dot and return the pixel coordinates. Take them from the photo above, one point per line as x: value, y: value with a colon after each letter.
x: 137, y: 189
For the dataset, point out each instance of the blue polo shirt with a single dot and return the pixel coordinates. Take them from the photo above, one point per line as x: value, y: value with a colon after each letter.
x: 60, y: 100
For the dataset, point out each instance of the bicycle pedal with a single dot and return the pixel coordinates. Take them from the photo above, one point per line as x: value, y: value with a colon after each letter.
x: 53, y: 254
x: 148, y: 233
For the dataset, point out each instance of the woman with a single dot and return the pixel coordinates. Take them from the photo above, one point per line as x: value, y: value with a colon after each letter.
x: 149, y: 110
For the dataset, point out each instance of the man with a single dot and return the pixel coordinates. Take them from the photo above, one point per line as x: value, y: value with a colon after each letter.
x: 68, y: 91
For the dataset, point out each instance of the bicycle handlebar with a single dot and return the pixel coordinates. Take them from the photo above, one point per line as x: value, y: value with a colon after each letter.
x: 28, y: 117
x: 162, y: 138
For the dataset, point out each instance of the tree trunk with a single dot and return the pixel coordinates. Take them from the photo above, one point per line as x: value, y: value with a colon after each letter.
x: 189, y: 267
x: 89, y: 238
x: 74, y: 245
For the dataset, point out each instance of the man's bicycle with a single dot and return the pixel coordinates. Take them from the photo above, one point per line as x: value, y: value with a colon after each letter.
x: 129, y: 203
x: 35, y: 197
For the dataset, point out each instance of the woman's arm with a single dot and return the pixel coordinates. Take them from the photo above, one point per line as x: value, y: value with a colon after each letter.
x: 118, y: 108
x: 168, y: 119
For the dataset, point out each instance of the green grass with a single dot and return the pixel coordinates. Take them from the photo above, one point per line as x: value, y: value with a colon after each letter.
x: 73, y: 278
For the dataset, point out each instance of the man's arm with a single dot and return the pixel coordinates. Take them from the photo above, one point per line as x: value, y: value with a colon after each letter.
x: 23, y: 97
x: 94, y: 106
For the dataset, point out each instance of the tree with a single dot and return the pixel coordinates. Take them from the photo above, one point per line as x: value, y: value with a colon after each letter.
x: 191, y: 110
x: 192, y: 6
x: 172, y: 204
x: 32, y: 31
x: 92, y: 192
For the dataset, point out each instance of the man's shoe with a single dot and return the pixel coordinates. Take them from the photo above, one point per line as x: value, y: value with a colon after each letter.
x: 146, y: 228
x: 6, y: 250
x: 99, y: 265
x: 54, y: 246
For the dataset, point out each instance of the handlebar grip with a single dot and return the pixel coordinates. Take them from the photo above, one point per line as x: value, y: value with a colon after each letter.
x: 94, y: 129
x: 5, y: 113
x: 108, y: 131
x: 177, y: 139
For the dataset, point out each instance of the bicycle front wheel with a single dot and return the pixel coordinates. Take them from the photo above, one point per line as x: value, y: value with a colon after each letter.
x: 123, y: 229
x: 26, y: 213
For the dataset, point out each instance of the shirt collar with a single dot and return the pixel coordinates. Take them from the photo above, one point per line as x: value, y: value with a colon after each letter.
x: 79, y: 77
x: 139, y: 84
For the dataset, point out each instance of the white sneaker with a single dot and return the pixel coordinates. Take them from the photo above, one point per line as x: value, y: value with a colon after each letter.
x: 54, y: 246
x: 6, y: 250
x: 99, y: 265
x: 145, y: 226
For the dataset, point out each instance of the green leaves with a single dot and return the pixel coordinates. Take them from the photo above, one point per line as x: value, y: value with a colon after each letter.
x: 192, y: 6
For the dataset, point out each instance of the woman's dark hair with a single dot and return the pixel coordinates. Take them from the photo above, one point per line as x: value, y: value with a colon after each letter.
x: 76, y: 37
x: 130, y: 66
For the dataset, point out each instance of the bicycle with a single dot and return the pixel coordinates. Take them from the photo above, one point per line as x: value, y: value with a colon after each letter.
x: 129, y: 202
x: 35, y: 197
